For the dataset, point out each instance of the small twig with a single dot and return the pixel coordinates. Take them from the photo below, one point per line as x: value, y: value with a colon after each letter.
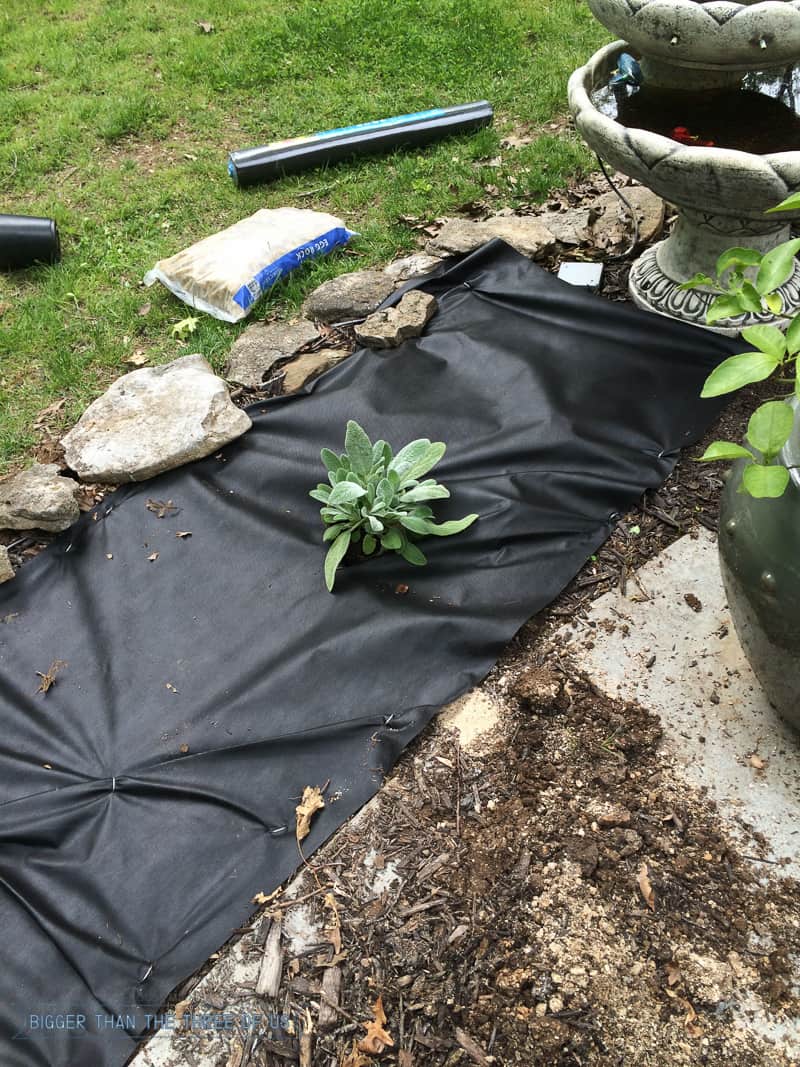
x: 458, y: 789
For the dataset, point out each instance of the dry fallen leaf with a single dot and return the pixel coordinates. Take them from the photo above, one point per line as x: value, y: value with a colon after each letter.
x: 515, y: 142
x: 180, y: 534
x: 137, y: 358
x: 673, y: 973
x: 184, y: 748
x: 171, y: 687
x: 377, y: 1038
x: 49, y: 677
x: 646, y: 889
x: 309, y: 805
x: 161, y: 508
x: 180, y: 1010
x: 757, y: 762
x: 144, y: 310
x: 47, y: 413
x: 265, y: 898
x: 109, y: 555
x: 354, y: 1058
x: 152, y: 557
x: 206, y: 27
x: 690, y: 1022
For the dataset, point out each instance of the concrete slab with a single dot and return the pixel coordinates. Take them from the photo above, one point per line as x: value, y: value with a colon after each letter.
x: 670, y: 645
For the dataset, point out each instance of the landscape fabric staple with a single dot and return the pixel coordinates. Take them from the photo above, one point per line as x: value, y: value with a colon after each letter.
x: 150, y: 792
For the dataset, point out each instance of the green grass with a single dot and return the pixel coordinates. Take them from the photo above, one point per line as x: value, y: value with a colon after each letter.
x: 116, y: 117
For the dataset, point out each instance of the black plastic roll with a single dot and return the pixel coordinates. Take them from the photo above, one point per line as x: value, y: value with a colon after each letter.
x: 250, y: 165
x: 25, y: 240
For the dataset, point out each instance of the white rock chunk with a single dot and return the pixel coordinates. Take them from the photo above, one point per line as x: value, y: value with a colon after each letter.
x: 153, y: 420
x: 392, y: 326
x: 412, y: 266
x: 38, y: 499
x: 6, y: 570
x: 526, y: 233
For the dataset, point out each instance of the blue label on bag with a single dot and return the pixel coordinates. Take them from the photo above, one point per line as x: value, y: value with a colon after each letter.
x: 273, y: 272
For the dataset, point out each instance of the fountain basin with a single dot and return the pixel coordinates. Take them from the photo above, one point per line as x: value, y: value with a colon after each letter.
x: 688, y: 45
x: 721, y: 194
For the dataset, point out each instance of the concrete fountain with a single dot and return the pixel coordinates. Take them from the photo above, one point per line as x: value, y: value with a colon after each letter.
x: 733, y: 60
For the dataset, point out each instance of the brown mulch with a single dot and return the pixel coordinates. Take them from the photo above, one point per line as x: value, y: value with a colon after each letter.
x: 557, y: 899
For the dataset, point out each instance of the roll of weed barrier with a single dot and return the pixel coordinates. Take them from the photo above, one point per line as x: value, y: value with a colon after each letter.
x: 149, y: 791
x: 248, y: 166
x: 26, y: 239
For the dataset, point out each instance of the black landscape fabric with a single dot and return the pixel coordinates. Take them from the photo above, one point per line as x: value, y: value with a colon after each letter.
x: 151, y: 792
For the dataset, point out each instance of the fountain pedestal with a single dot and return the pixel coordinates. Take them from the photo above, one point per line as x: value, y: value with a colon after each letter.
x: 721, y: 195
x: 696, y: 242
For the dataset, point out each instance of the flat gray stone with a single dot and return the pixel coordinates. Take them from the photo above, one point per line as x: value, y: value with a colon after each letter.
x: 261, y: 346
x: 350, y: 296
x: 153, y: 420
x: 570, y: 227
x: 6, y: 570
x: 308, y: 366
x: 526, y: 233
x: 687, y: 666
x: 612, y: 224
x: 38, y: 499
x: 412, y: 266
x: 392, y: 326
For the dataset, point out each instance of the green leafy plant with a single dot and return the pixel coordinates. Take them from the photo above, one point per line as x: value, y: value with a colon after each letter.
x: 776, y: 353
x: 378, y: 499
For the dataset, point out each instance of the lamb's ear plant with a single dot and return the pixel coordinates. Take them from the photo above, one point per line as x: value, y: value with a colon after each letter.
x: 379, y: 499
x: 777, y: 351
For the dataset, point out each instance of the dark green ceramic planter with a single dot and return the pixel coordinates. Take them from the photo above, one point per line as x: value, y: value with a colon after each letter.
x: 759, y: 545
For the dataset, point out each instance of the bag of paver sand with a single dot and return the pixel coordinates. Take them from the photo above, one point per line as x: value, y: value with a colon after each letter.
x: 225, y: 274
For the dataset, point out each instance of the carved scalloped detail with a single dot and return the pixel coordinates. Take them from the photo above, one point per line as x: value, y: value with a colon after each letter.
x: 653, y: 290
x: 703, y: 179
x: 722, y: 34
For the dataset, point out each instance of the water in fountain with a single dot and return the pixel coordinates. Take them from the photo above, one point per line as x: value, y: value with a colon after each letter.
x: 762, y: 116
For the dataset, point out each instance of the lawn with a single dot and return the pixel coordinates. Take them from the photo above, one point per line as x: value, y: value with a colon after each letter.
x: 116, y: 117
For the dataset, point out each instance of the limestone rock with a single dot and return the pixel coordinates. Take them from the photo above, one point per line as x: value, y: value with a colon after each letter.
x: 38, y: 499
x: 152, y: 420
x: 262, y: 345
x: 457, y: 237
x: 304, y: 368
x: 392, y: 326
x: 350, y: 296
x: 570, y: 227
x: 412, y: 266
x: 612, y: 225
x: 526, y: 233
x: 6, y: 570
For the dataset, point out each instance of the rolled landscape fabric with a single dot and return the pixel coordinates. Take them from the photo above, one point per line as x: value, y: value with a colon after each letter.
x: 25, y: 240
x: 250, y: 165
